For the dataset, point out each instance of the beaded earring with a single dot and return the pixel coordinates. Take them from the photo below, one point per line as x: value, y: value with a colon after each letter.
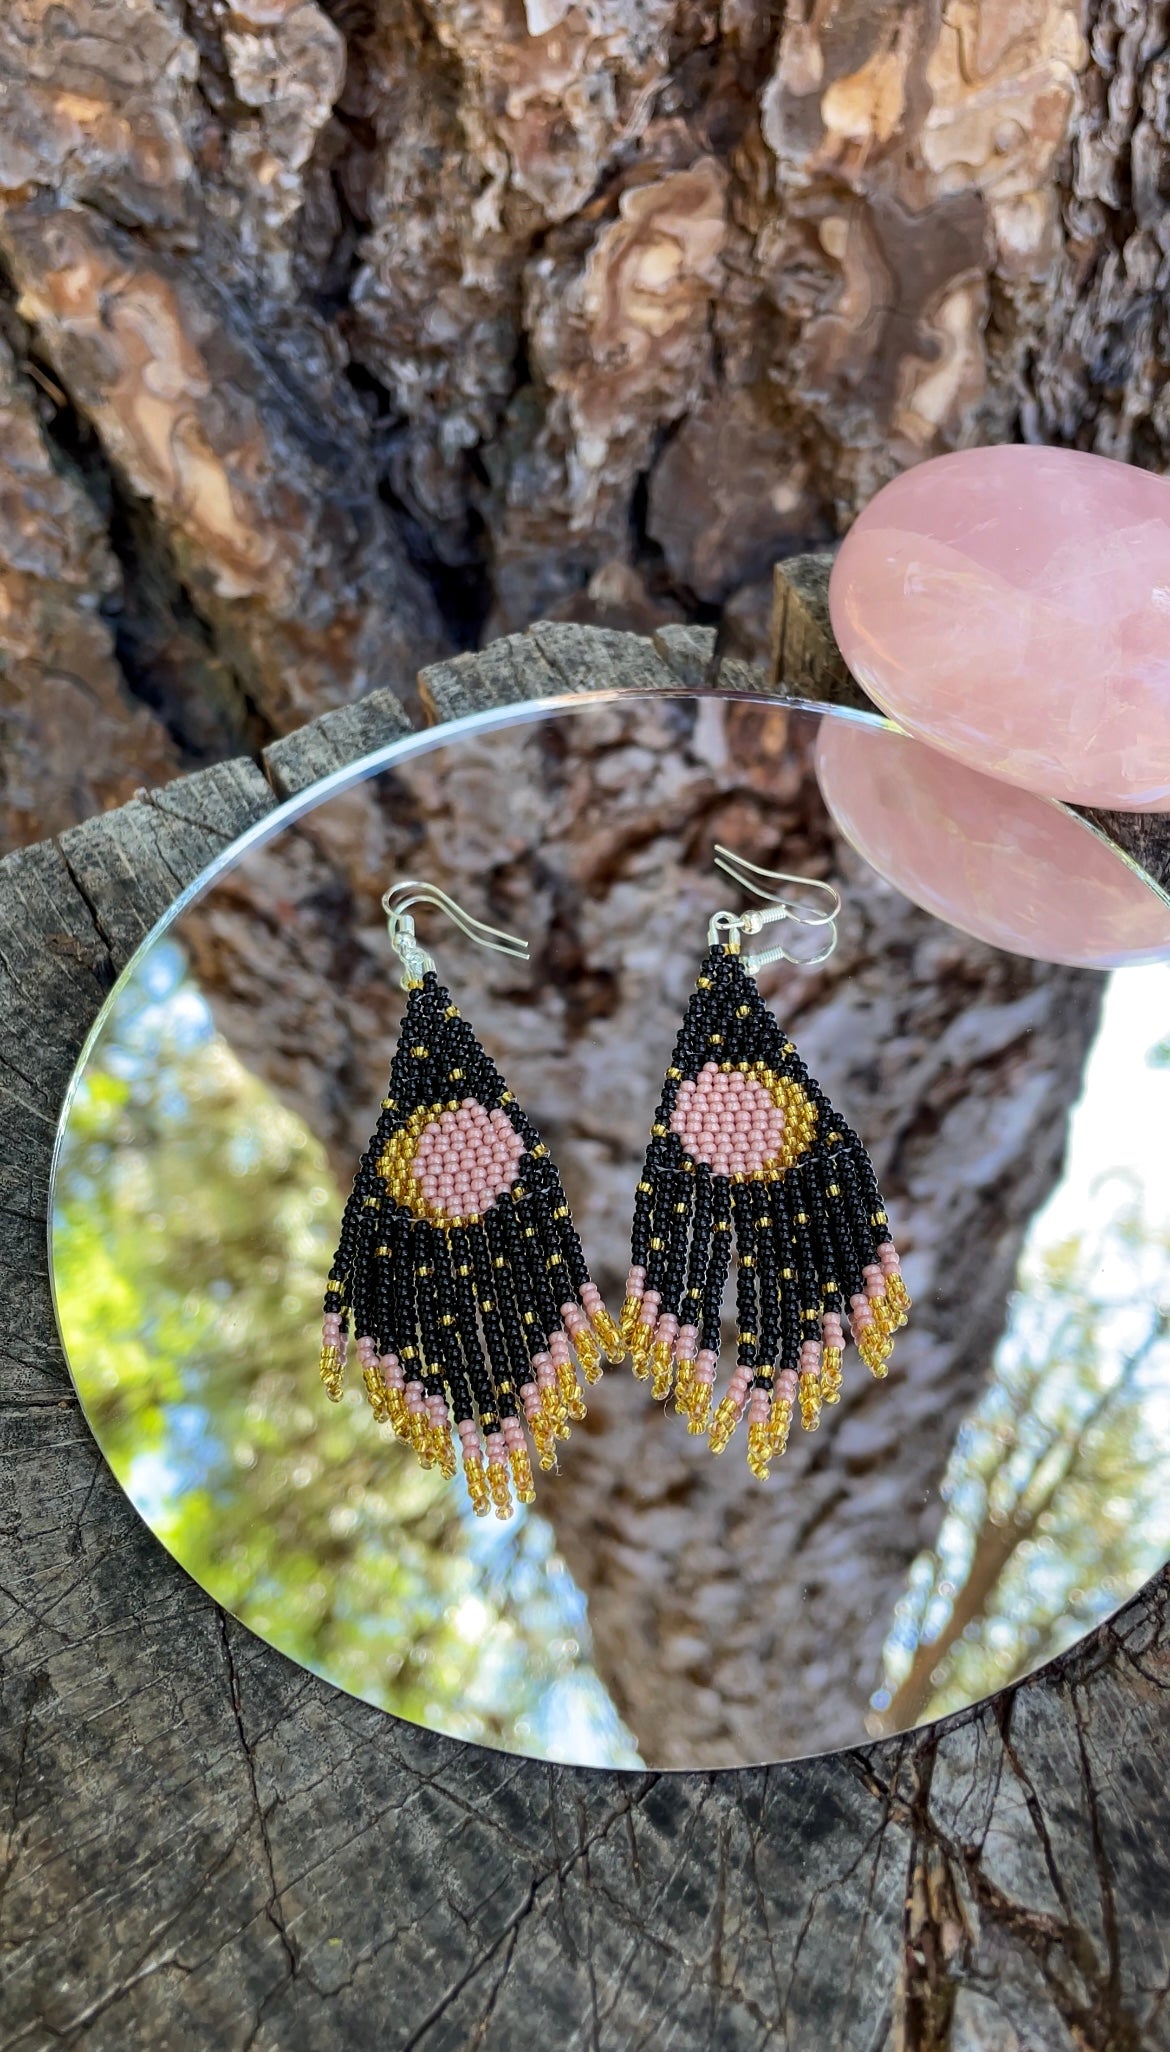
x: 459, y: 1264
x: 746, y: 1146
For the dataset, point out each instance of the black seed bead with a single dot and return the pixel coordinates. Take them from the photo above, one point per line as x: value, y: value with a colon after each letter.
x: 711, y: 1310
x: 676, y: 1231
x: 700, y: 1253
x: 469, y: 1249
x: 526, y: 1259
x: 769, y: 1291
x: 521, y: 1337
x: 787, y: 1282
x: 746, y: 1279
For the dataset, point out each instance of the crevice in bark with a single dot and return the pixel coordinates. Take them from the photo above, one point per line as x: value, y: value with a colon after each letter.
x: 166, y: 651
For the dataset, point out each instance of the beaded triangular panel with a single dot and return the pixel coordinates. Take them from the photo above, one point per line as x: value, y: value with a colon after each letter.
x: 460, y: 1270
x: 748, y: 1156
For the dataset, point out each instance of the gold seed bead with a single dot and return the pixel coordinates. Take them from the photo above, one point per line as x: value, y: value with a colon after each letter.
x: 898, y: 1294
x: 641, y: 1338
x: 662, y: 1368
x: 398, y: 1415
x: 723, y: 1424
x: 759, y: 1451
x: 376, y: 1392
x: 497, y: 1477
x: 331, y: 1372
x: 544, y: 1440
x: 588, y: 1354
x: 522, y: 1480
x: 779, y: 1425
x: 699, y: 1412
x: 555, y: 1412
x: 609, y: 1333
x: 572, y: 1395
x: 810, y: 1401
x: 444, y: 1450
x: 629, y: 1318
x: 420, y: 1438
x: 831, y: 1375
x: 684, y: 1387
x: 477, y: 1488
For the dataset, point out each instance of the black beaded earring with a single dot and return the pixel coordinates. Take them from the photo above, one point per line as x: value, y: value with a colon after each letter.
x: 746, y: 1146
x: 459, y: 1265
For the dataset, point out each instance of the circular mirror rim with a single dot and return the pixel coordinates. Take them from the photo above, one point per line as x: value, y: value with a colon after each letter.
x: 391, y: 755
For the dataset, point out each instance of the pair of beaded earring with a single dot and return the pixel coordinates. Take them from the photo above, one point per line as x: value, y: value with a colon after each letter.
x: 462, y: 1274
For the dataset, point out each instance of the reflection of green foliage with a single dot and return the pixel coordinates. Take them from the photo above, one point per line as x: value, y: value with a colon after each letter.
x: 195, y: 1219
x: 1055, y: 1492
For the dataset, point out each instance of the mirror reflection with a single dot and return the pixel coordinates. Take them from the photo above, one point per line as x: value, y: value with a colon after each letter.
x: 941, y: 1533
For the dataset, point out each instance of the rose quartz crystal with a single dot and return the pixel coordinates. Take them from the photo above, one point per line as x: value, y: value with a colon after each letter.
x: 1008, y: 867
x: 1012, y: 607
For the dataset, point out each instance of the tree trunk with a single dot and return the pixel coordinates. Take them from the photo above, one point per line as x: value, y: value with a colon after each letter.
x: 338, y: 336
x: 334, y: 339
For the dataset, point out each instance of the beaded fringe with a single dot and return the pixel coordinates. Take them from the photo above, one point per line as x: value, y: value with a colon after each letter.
x: 748, y: 1156
x: 460, y: 1270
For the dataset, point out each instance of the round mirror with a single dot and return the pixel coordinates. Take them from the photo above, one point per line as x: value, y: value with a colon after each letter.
x: 942, y: 1532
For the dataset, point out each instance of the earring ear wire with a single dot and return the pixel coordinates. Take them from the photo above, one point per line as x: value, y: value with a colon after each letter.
x: 725, y: 928
x: 415, y: 960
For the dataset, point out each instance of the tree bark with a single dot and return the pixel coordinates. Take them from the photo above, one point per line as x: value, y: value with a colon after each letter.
x: 338, y: 336
x: 205, y: 1844
x: 332, y: 340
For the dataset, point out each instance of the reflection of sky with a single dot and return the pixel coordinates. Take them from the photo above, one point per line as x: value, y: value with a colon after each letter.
x: 1114, y: 1198
x: 512, y: 1587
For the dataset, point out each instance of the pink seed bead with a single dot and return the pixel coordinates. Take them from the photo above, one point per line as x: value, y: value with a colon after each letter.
x: 437, y: 1410
x: 497, y: 1447
x: 392, y: 1374
x: 787, y: 1383
x: 760, y: 1407
x: 591, y: 1296
x: 706, y: 1363
x: 415, y: 1399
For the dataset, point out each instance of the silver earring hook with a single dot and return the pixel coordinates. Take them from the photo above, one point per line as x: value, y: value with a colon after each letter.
x: 415, y: 961
x: 733, y: 924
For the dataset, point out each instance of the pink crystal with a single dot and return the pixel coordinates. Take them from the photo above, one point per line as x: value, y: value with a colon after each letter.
x: 1002, y: 864
x: 1012, y: 607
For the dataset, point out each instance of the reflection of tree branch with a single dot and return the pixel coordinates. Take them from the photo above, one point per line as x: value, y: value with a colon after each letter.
x: 998, y: 1542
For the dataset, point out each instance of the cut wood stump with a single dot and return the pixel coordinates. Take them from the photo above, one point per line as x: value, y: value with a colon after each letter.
x: 206, y: 1846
